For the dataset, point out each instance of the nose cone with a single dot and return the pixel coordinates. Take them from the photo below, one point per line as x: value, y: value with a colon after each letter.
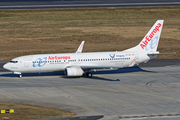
x: 6, y: 66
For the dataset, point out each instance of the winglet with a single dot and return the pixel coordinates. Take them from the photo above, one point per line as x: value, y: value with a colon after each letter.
x: 79, y: 50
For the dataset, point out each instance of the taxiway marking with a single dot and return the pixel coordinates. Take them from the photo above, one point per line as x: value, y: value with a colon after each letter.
x: 130, y: 92
x: 91, y: 87
x: 137, y: 74
x: 104, y: 75
x: 150, y: 116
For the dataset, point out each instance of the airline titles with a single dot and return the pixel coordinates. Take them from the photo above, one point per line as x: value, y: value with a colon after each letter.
x: 148, y: 38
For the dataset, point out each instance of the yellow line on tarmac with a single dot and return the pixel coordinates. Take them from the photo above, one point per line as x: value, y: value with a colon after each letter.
x: 32, y: 83
x: 38, y: 77
x: 136, y: 74
x: 98, y: 87
x: 151, y: 116
x: 55, y: 84
x: 130, y: 92
x: 104, y: 75
x: 43, y: 77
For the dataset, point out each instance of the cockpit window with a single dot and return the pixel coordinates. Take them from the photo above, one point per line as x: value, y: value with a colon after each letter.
x: 13, y: 61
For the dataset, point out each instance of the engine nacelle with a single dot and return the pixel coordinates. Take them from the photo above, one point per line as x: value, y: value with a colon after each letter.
x: 74, y: 71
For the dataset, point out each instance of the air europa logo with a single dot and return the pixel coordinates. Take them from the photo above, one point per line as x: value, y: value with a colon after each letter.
x: 153, y: 43
x: 40, y: 62
x: 149, y: 37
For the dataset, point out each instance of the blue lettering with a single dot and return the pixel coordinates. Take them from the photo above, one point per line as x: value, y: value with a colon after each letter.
x: 120, y: 55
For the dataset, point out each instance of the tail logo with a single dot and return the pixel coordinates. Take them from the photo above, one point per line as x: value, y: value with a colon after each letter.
x: 149, y: 37
x: 152, y: 44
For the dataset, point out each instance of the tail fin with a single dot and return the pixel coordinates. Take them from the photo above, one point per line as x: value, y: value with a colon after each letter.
x: 150, y: 42
x: 79, y: 50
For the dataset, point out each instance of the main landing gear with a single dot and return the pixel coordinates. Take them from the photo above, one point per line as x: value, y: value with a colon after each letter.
x: 89, y: 74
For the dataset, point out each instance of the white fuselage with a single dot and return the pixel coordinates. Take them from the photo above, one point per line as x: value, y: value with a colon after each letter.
x: 59, y: 62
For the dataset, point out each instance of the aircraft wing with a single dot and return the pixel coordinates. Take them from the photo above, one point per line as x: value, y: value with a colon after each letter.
x: 79, y: 50
x: 100, y: 67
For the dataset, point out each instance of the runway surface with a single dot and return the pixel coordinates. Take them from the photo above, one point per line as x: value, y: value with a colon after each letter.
x: 45, y: 4
x: 149, y: 92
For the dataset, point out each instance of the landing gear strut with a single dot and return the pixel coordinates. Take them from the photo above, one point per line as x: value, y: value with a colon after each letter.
x: 89, y: 74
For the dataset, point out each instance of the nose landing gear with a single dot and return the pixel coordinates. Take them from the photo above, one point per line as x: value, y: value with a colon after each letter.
x: 20, y: 75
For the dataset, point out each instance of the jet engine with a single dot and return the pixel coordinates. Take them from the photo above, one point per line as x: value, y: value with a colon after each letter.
x: 73, y: 71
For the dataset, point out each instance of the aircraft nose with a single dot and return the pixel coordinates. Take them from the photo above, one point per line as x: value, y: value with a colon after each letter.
x: 6, y: 66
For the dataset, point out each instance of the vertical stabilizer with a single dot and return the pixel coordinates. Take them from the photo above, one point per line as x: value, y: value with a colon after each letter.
x: 150, y: 42
x: 79, y: 50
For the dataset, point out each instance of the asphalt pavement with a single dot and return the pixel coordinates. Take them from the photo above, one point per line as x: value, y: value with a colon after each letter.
x: 54, y: 4
x: 147, y: 93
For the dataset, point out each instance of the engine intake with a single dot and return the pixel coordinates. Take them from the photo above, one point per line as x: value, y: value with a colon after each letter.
x: 74, y: 71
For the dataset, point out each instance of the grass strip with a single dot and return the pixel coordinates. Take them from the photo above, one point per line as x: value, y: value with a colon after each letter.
x: 31, y: 112
x: 25, y: 32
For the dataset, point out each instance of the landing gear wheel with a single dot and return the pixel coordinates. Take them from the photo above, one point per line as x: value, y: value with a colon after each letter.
x: 20, y: 75
x: 89, y: 74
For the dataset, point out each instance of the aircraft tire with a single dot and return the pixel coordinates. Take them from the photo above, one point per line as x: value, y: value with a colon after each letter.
x: 89, y: 74
x: 20, y: 75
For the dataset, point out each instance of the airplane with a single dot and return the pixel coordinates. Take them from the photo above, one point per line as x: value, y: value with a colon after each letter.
x: 78, y: 63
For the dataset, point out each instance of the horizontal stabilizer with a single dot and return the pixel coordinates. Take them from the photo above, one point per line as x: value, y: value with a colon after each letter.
x: 157, y: 53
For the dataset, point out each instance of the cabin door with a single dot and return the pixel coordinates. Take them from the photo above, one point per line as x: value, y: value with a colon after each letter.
x: 26, y: 62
